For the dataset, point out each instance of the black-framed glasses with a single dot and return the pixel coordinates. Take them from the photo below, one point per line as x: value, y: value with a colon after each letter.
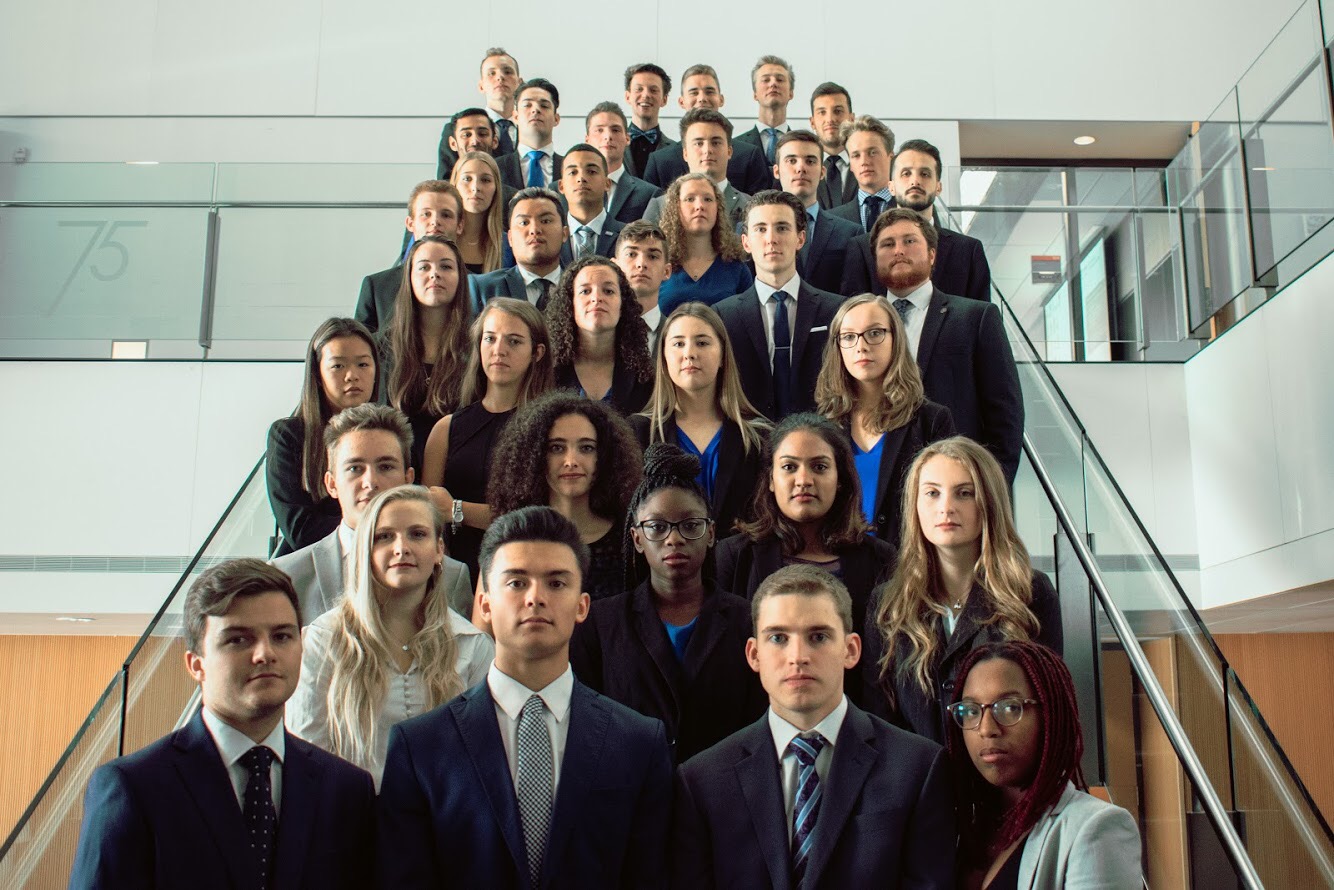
x: 1005, y: 711
x: 873, y: 337
x: 658, y: 529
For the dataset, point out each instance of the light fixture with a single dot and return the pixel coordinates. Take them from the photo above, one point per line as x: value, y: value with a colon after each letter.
x: 1263, y: 169
x: 1085, y: 140
x: 77, y: 619
x: 129, y: 349
x: 142, y: 163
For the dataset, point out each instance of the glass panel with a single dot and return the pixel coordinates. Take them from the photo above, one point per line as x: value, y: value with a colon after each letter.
x: 79, y: 183
x: 1284, y: 61
x: 323, y: 184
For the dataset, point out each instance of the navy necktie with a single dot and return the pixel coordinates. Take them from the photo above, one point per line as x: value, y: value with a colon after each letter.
x: 806, y: 807
x: 872, y: 206
x: 903, y: 307
x: 505, y: 143
x: 261, y: 818
x: 545, y: 296
x: 782, y: 357
x: 535, y: 177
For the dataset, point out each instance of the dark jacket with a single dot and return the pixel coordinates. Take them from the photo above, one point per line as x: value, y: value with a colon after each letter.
x: 302, y: 520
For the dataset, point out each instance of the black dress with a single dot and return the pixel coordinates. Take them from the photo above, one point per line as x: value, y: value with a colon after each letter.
x: 606, y: 576
x: 301, y: 519
x: 472, y: 438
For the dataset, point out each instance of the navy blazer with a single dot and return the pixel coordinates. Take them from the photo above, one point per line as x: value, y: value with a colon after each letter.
x: 623, y: 651
x: 752, y: 137
x: 514, y: 172
x: 628, y: 394
x: 930, y: 423
x: 744, y: 319
x: 967, y: 366
x: 446, y: 158
x: 961, y: 267
x: 631, y: 197
x: 851, y: 211
x: 632, y: 165
x: 820, y: 260
x: 747, y: 172
x: 829, y: 197
x: 605, y: 246
x: 379, y: 291
x: 302, y: 519
x: 886, y: 814
x: 448, y: 815
x: 167, y: 816
x: 504, y: 282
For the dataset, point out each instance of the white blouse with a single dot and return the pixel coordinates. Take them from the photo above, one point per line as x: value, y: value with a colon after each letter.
x: 308, y: 708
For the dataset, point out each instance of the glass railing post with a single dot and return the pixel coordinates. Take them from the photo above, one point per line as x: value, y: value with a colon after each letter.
x: 210, y: 280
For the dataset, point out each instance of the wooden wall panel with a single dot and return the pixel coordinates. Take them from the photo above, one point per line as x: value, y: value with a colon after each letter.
x: 1164, y: 801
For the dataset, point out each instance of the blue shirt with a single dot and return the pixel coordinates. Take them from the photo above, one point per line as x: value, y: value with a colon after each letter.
x: 708, y: 459
x: 723, y: 279
x: 868, y: 470
x: 680, y: 635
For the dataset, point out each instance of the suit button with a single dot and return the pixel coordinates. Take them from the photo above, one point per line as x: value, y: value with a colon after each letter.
x: 879, y: 519
x: 948, y: 686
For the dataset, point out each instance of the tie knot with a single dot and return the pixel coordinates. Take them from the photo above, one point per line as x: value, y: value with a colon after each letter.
x: 780, y: 297
x: 258, y: 759
x: 533, y: 155
x: 534, y: 707
x: 806, y: 749
x: 902, y: 306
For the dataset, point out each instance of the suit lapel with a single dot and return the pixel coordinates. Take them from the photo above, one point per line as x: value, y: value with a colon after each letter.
x: 621, y: 193
x: 813, y: 248
x: 889, y: 455
x: 768, y: 559
x: 479, y: 731
x: 584, y: 744
x: 301, y: 782
x: 854, y: 755
x: 708, y: 634
x: 755, y: 328
x: 329, y: 571
x: 936, y: 314
x: 757, y: 773
x: 648, y: 627
x: 200, y: 769
x: 805, y: 318
x: 514, y: 281
x: 966, y: 627
x: 730, y: 455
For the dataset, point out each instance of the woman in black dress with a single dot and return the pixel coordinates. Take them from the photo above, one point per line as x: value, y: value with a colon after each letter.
x: 510, y: 364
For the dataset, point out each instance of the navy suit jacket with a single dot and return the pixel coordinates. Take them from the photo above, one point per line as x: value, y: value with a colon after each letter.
x: 851, y: 210
x: 446, y: 158
x: 886, y: 815
x: 747, y: 172
x: 821, y: 260
x: 504, y: 282
x: 167, y: 816
x: 967, y: 366
x: 375, y: 303
x: 744, y: 319
x: 631, y: 198
x: 752, y: 137
x: 605, y: 246
x: 961, y: 267
x: 514, y: 172
x: 449, y: 817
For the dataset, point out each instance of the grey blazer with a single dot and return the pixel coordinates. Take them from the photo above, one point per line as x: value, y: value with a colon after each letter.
x: 1082, y: 842
x: 735, y: 200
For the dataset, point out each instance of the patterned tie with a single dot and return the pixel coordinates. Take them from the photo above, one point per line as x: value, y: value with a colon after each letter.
x: 651, y: 135
x: 770, y: 143
x: 544, y: 297
x: 807, y: 805
x: 583, y: 242
x: 535, y: 177
x: 261, y: 819
x: 535, y: 787
x: 872, y: 207
x: 782, y: 357
x: 903, y: 307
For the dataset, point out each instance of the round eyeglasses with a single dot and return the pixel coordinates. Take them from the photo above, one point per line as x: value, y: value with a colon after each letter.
x: 658, y: 529
x: 1005, y: 711
x: 873, y: 337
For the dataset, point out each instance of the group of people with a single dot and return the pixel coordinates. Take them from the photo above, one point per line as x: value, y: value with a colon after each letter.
x: 616, y: 551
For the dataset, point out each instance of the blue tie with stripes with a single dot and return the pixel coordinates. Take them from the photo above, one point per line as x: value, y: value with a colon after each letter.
x: 807, y: 805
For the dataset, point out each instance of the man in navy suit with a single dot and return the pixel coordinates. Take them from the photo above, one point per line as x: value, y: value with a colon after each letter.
x: 960, y: 344
x: 434, y: 208
x: 778, y: 327
x: 629, y: 195
x: 529, y: 779
x: 646, y: 89
x: 231, y: 800
x: 831, y: 108
x: 498, y: 81
x: 641, y: 252
x: 817, y: 793
x: 800, y: 170
x: 870, y: 148
x: 772, y: 81
x: 534, y: 161
x: 961, y: 263
x: 583, y: 182
x: 536, y: 236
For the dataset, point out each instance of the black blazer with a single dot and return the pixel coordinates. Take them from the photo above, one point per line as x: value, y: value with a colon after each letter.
x: 513, y: 172
x: 632, y: 164
x: 829, y: 197
x: 851, y: 211
x: 302, y: 520
x: 931, y: 423
x: 820, y: 261
x: 167, y: 816
x: 631, y: 197
x: 622, y: 651
x: 747, y: 172
x: 967, y: 366
x: 961, y: 267
x: 924, y: 714
x: 752, y: 137
x: 628, y: 394
x: 446, y: 158
x: 738, y: 472
x: 375, y: 303
x: 886, y: 814
x: 448, y: 815
x: 503, y: 282
x: 744, y: 319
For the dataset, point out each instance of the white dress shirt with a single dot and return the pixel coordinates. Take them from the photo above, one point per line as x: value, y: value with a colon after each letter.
x: 510, y: 695
x: 784, y: 732
x: 308, y: 708
x: 768, y: 306
x: 347, y: 536
x: 232, y: 745
x: 614, y: 180
x: 530, y: 280
x: 916, y: 320
x: 596, y: 224
x: 652, y: 318
x: 545, y: 162
x: 501, y: 124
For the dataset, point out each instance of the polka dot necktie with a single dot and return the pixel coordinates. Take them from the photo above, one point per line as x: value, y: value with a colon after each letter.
x: 261, y: 819
x: 535, y: 786
x: 806, y: 807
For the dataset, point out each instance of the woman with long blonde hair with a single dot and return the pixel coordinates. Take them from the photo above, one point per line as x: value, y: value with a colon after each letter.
x: 392, y: 648
x: 698, y: 405
x: 963, y: 579
x: 707, y: 261
x: 870, y: 385
x: 477, y: 177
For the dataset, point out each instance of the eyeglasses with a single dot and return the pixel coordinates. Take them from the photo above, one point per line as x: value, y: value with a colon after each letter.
x: 873, y: 337
x: 658, y: 529
x: 1005, y: 711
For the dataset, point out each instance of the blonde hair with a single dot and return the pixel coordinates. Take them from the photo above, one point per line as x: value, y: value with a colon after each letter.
x: 728, y: 395
x: 494, y: 227
x: 361, y: 650
x: 836, y: 392
x: 911, y: 602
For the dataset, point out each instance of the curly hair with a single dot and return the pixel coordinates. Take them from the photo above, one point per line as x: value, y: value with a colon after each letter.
x: 725, y: 242
x: 836, y: 392
x: 519, y: 465
x: 665, y: 466
x: 631, y: 331
x: 410, y: 390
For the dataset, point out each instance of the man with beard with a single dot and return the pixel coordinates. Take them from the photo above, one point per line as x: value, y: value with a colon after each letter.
x: 831, y: 108
x: 536, y: 235
x: 959, y: 344
x: 499, y: 79
x: 961, y: 264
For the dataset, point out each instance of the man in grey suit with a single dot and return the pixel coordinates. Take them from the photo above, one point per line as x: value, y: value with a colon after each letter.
x: 800, y: 172
x: 537, y: 235
x: 368, y: 448
x: 707, y: 139
x: 606, y: 130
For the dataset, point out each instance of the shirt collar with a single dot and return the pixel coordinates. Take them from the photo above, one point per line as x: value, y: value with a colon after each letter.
x: 722, y: 187
x: 883, y: 195
x: 784, y: 732
x: 615, y: 175
x: 652, y: 318
x: 791, y: 287
x: 781, y: 128
x: 814, y: 210
x: 530, y: 277
x: 233, y: 744
x: 920, y: 297
x: 511, y: 695
x: 597, y: 224
x: 522, y: 150
x: 347, y: 535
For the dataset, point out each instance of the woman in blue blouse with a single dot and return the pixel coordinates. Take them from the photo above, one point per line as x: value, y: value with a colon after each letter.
x: 708, y: 263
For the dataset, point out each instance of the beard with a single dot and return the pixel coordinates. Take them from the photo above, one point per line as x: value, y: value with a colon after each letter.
x: 918, y: 202
x: 903, y: 276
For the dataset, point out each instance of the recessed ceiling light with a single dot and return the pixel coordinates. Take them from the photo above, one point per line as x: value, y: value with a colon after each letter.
x: 78, y: 619
x: 1085, y: 140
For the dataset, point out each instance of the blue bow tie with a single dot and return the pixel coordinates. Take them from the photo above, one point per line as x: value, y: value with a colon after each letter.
x: 650, y: 135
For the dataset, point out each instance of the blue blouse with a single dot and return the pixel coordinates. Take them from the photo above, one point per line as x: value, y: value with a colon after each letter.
x: 868, y: 470
x: 679, y: 635
x: 721, y: 280
x: 708, y: 459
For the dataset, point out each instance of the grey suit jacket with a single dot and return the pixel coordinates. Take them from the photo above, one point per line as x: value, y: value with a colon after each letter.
x: 735, y: 200
x: 1082, y: 842
x: 631, y: 198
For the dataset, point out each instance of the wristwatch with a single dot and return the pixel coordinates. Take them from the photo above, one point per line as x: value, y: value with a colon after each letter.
x: 456, y: 519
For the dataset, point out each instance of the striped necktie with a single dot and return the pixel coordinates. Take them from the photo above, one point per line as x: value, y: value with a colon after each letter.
x: 806, y: 807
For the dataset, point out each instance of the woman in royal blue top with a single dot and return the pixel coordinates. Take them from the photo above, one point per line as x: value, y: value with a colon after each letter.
x: 697, y: 404
x: 870, y: 385
x: 707, y: 260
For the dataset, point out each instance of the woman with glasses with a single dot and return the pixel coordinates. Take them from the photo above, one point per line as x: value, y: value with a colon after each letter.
x: 963, y: 580
x: 674, y: 646
x: 870, y: 385
x: 1015, y: 743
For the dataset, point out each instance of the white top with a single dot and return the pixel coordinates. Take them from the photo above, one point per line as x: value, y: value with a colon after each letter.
x: 768, y: 306
x: 510, y: 695
x: 308, y: 708
x: 544, y: 162
x: 784, y: 732
x: 916, y: 320
x: 232, y: 745
x: 652, y: 318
